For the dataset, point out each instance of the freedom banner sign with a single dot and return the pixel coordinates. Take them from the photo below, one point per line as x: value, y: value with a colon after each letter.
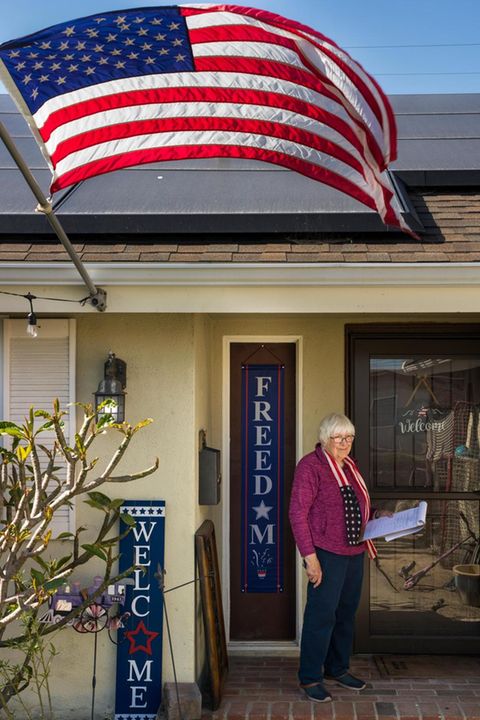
x: 139, y: 655
x: 262, y: 478
x: 149, y: 84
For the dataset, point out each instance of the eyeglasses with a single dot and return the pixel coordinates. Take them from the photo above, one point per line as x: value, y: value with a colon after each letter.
x: 339, y: 439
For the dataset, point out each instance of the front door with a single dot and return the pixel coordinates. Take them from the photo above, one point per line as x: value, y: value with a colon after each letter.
x: 415, y: 403
x: 262, y: 462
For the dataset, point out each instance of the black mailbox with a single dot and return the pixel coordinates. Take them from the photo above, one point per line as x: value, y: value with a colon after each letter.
x: 210, y: 476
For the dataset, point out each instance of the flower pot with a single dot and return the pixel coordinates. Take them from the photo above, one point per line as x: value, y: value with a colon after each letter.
x: 467, y: 582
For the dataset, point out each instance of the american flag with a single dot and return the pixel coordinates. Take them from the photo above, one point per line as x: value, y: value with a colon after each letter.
x: 135, y: 86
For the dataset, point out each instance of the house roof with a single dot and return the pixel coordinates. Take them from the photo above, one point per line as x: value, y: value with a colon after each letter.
x: 243, y: 211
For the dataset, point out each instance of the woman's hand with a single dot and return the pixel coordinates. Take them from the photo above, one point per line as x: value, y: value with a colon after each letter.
x: 313, y: 568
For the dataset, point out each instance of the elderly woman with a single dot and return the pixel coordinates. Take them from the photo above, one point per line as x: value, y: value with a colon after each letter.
x: 328, y: 509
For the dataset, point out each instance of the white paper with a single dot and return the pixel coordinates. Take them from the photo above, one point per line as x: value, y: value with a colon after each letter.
x: 405, y: 522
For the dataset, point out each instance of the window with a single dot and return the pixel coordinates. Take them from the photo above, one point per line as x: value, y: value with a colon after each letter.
x: 36, y: 371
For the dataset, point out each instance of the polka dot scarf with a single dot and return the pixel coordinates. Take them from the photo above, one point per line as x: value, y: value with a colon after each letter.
x: 351, y: 506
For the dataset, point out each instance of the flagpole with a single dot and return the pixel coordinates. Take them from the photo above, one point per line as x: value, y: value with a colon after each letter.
x: 98, y: 297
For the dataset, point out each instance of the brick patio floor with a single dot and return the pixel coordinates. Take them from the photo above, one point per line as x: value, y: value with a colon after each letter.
x: 399, y: 687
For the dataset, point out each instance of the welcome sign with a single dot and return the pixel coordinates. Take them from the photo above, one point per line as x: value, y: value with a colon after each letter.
x: 263, y: 420
x: 139, y: 656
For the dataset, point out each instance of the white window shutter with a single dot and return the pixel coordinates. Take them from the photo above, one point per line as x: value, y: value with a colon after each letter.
x: 38, y: 370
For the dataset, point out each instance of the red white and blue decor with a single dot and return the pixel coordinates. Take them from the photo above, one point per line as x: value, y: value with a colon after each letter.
x: 139, y: 657
x: 263, y: 421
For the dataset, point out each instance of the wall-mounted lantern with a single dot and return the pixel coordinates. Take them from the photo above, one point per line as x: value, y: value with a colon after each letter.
x: 112, y: 387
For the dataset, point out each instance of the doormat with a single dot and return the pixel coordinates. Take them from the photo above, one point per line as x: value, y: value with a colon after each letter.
x: 426, y: 666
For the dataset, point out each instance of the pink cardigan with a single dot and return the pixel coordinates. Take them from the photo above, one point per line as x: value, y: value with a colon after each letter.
x: 316, y: 507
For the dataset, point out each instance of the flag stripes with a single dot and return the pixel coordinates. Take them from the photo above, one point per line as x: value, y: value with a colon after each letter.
x: 244, y: 83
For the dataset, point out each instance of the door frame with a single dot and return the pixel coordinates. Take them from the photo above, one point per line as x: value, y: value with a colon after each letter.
x: 267, y: 339
x: 445, y: 332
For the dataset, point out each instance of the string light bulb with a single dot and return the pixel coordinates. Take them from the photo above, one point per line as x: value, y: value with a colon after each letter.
x: 32, y: 327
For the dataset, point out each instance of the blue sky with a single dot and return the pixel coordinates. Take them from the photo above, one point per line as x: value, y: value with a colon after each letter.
x: 410, y: 46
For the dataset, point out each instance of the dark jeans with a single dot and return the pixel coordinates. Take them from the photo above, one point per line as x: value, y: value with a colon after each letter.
x: 328, y: 621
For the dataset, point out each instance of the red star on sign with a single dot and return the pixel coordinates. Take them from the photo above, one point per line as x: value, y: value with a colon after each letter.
x: 133, y: 643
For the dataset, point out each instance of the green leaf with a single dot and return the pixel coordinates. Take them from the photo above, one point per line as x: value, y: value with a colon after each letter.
x: 95, y: 550
x: 116, y: 504
x: 65, y: 536
x: 42, y: 413
x: 96, y: 505
x: 41, y: 562
x: 128, y: 519
x: 54, y: 584
x: 99, y: 497
x: 9, y: 428
x: 37, y: 575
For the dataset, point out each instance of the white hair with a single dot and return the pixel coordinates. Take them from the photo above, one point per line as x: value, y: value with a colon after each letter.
x: 333, y: 424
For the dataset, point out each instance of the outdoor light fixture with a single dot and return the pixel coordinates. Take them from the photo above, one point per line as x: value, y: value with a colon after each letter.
x: 32, y: 327
x: 111, y: 390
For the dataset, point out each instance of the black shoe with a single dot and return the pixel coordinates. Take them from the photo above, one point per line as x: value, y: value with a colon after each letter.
x: 316, y: 693
x: 349, y: 681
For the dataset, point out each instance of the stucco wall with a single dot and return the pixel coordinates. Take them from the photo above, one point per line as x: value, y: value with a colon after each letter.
x: 175, y: 374
x: 159, y: 352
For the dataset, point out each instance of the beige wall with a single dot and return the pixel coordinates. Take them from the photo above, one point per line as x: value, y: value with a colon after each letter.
x: 159, y: 352
x: 175, y: 376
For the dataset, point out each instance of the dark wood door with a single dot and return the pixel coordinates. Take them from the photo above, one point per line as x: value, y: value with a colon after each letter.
x: 261, y: 616
x: 415, y: 403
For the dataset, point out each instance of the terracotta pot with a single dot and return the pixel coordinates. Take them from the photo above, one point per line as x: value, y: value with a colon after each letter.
x: 467, y: 582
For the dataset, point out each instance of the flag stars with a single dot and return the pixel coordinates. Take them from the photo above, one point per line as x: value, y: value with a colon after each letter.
x: 63, y: 45
x: 174, y: 26
x: 180, y: 57
x: 142, y: 31
x: 19, y: 66
x: 149, y: 61
x: 177, y: 42
x: 55, y: 66
x: 125, y: 27
x: 139, y: 20
x: 52, y: 56
x: 86, y: 58
x: 89, y: 70
x: 115, y: 51
x: 146, y: 46
x: 43, y: 78
x: 27, y: 79
x: 68, y: 57
x: 38, y: 65
x: 160, y: 37
x: 32, y: 55
x: 111, y: 37
x: 14, y: 53
x: 100, y: 19
x: 92, y: 33
x: 103, y: 61
x: 129, y: 41
x: 156, y: 21
x: 98, y: 48
x: 72, y: 68
x: 81, y: 45
x: 120, y: 20
x: 45, y: 45
x: 120, y: 64
x: 133, y: 55
x: 61, y: 80
x: 69, y: 30
x: 163, y: 51
x: 34, y: 94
